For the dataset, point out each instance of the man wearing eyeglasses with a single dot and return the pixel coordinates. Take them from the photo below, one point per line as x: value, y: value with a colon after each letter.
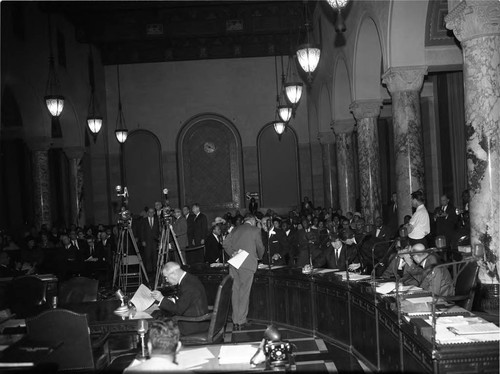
x: 191, y: 300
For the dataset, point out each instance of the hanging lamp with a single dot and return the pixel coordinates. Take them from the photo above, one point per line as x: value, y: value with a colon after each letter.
x: 308, y: 54
x: 53, y: 99
x: 338, y: 5
x: 121, y: 131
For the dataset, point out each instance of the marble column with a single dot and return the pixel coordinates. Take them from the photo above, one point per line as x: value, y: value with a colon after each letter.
x: 345, y: 165
x: 366, y: 113
x: 41, y: 180
x: 327, y: 141
x: 404, y: 84
x: 75, y: 157
x: 476, y: 24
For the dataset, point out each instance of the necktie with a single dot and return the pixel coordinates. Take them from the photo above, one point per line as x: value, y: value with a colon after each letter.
x: 75, y: 243
x: 336, y: 257
x: 151, y: 222
x: 395, y: 207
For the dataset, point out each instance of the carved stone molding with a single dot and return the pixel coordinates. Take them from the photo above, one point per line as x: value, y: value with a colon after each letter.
x: 404, y: 78
x: 365, y: 108
x: 74, y: 152
x: 326, y: 137
x: 343, y: 125
x: 474, y: 18
x: 39, y: 143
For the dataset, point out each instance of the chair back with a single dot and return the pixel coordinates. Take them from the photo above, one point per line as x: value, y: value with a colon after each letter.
x: 465, y: 284
x: 221, y: 309
x: 70, y: 332
x: 27, y: 296
x: 195, y: 255
x: 78, y: 290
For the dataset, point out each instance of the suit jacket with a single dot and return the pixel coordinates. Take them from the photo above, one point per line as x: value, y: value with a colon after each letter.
x: 213, y: 249
x: 446, y: 225
x: 104, y: 252
x: 438, y: 281
x: 150, y: 235
x: 248, y: 238
x: 200, y: 228
x: 191, y: 302
x: 291, y: 240
x: 180, y: 229
x: 277, y: 244
x: 347, y: 252
x: 309, y: 241
x: 190, y: 228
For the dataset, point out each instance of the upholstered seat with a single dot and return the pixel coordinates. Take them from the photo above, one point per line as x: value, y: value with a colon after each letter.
x: 78, y: 290
x: 27, y: 296
x: 70, y: 331
x: 217, y: 318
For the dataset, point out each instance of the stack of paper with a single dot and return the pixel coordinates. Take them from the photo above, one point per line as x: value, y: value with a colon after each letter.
x: 390, y: 287
x: 142, y: 298
x: 353, y: 276
x: 193, y: 358
x: 236, y: 354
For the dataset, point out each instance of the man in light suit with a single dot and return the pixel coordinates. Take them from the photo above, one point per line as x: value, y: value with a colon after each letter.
x: 246, y: 237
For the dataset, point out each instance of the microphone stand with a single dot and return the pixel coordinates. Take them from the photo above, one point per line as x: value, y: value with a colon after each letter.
x: 268, y: 233
x: 381, y: 261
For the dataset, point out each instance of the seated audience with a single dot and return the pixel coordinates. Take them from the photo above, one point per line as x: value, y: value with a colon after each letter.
x: 338, y: 254
x: 163, y: 344
x: 191, y: 300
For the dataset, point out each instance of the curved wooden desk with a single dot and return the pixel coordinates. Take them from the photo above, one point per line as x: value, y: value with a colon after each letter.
x: 351, y: 316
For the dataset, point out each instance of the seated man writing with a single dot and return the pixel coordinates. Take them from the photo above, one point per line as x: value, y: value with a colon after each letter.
x: 191, y: 300
x: 163, y: 344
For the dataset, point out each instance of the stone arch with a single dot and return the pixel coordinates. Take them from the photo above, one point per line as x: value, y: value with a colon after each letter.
x: 72, y: 129
x: 406, y: 35
x: 209, y: 157
x: 278, y: 168
x: 325, y: 114
x: 342, y: 93
x: 143, y: 171
x: 368, y: 60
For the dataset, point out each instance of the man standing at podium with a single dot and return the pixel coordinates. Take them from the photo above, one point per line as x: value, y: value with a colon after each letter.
x: 246, y: 237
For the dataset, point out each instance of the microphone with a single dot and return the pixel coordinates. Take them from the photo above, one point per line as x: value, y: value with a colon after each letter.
x: 142, y: 328
x: 381, y: 262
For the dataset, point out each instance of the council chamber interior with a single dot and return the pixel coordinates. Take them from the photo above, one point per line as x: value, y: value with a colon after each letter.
x: 360, y: 138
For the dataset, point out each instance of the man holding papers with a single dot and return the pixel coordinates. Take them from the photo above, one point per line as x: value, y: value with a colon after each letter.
x: 191, y: 300
x: 245, y: 238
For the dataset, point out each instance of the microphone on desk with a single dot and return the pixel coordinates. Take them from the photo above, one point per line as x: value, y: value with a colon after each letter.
x: 142, y: 328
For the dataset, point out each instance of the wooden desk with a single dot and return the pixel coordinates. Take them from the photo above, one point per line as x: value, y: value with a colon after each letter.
x: 351, y: 316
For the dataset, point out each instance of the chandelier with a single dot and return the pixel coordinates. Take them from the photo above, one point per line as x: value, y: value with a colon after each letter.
x: 338, y: 5
x: 308, y: 54
x: 53, y: 100
x: 121, y: 131
x: 94, y: 121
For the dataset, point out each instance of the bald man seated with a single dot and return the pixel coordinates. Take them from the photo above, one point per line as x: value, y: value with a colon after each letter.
x: 191, y: 299
x: 437, y: 280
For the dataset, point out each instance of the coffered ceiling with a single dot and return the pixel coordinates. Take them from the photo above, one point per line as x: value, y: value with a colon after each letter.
x: 154, y: 31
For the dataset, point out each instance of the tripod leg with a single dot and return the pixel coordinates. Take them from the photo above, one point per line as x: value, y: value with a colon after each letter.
x: 161, y: 254
x: 141, y: 264
x: 177, y: 247
x: 118, y: 257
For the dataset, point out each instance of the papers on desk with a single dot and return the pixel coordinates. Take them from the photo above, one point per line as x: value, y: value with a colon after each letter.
x: 142, y: 298
x: 323, y: 271
x: 238, y: 258
x: 192, y: 358
x: 460, y: 329
x: 390, y: 287
x: 353, y: 276
x: 236, y: 354
x: 264, y: 266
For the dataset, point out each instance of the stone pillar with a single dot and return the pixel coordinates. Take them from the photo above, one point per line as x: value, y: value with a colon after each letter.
x: 345, y: 165
x: 366, y: 113
x: 75, y: 158
x: 327, y: 141
x: 476, y: 24
x: 404, y: 84
x: 41, y: 180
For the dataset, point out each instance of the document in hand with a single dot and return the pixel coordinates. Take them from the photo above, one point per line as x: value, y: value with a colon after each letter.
x: 238, y: 258
x: 142, y: 298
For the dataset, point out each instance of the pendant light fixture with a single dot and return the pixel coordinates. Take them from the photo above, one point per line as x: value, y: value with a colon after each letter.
x: 292, y: 87
x: 53, y: 99
x: 279, y: 123
x: 284, y: 110
x: 308, y: 54
x: 338, y: 5
x: 94, y: 121
x: 121, y: 131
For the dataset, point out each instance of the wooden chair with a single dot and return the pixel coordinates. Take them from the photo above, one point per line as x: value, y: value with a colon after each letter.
x: 465, y: 280
x: 27, y: 296
x: 70, y: 332
x: 217, y: 318
x: 78, y: 290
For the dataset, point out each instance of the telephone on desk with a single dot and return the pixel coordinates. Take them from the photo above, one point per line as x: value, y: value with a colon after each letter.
x: 278, y: 353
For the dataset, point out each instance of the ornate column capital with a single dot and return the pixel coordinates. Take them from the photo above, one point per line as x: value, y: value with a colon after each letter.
x: 39, y: 143
x: 74, y: 152
x: 343, y: 125
x: 365, y: 108
x: 326, y: 137
x: 474, y: 18
x: 404, y: 78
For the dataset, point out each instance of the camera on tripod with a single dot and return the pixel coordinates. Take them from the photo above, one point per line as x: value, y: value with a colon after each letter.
x: 124, y: 217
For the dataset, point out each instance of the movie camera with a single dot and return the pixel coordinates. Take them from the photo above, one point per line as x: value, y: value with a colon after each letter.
x: 124, y: 216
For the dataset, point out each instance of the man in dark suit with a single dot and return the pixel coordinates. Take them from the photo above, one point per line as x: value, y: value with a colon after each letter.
x: 200, y: 226
x: 248, y: 238
x: 308, y: 243
x: 73, y: 259
x: 445, y: 217
x: 104, y: 251
x: 291, y: 239
x: 150, y: 234
x: 275, y: 242
x: 391, y: 215
x: 191, y: 299
x: 338, y: 253
x: 213, y: 245
x: 186, y: 212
